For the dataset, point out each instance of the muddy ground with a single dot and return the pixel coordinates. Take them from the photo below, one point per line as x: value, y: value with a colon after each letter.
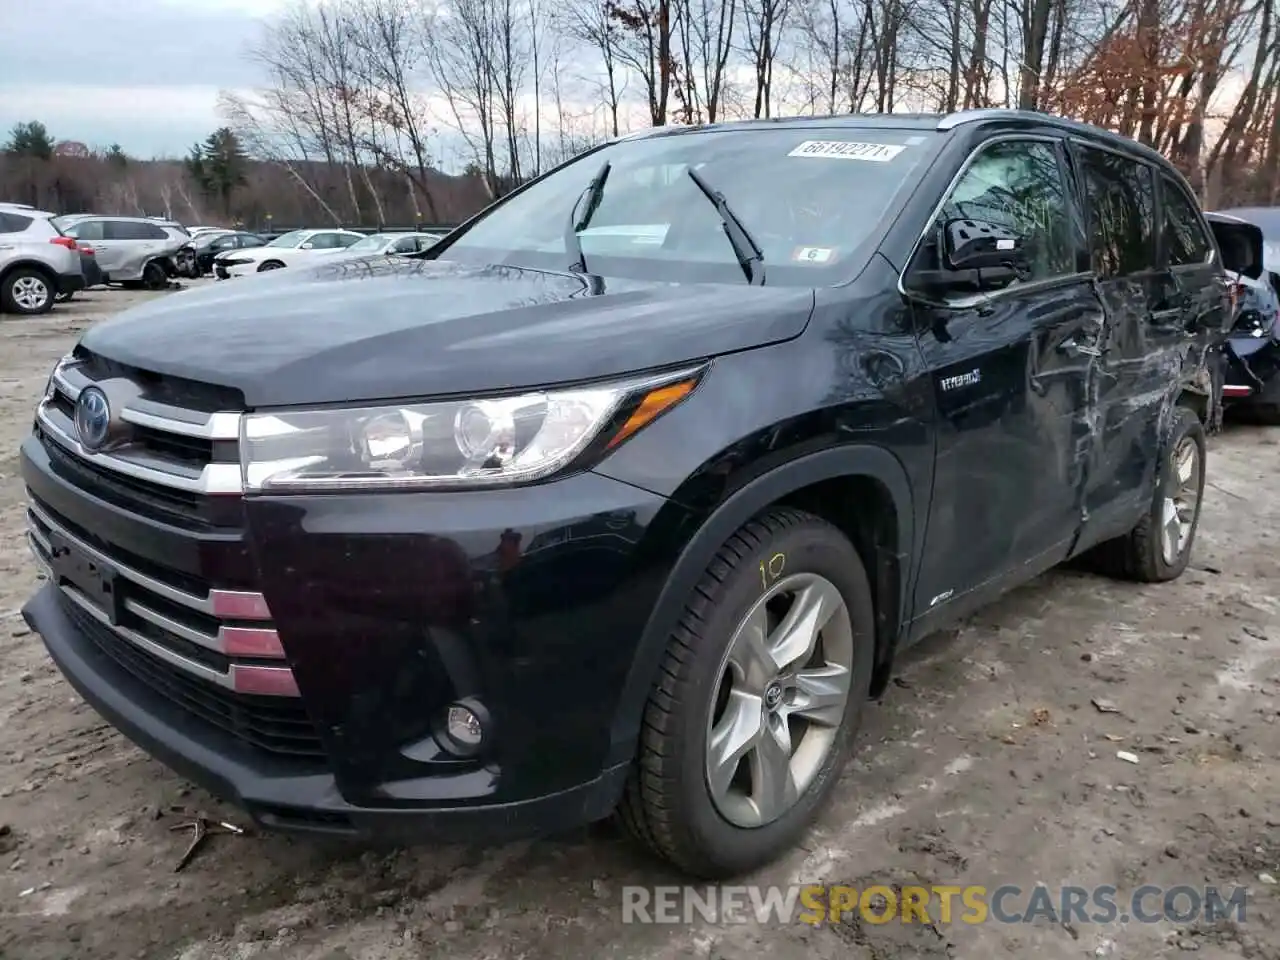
x: 985, y: 764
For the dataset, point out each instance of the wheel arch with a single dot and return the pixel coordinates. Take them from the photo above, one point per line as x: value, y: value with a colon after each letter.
x: 49, y: 274
x: 43, y: 268
x: 810, y: 482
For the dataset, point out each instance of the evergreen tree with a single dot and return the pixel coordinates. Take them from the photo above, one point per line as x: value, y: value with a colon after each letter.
x: 30, y: 139
x: 218, y: 166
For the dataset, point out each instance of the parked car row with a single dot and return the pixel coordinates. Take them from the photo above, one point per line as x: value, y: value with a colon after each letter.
x: 152, y: 251
x: 245, y: 254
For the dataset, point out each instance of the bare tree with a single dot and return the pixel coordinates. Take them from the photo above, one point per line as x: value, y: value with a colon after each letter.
x: 459, y: 50
x: 590, y: 22
x: 389, y: 35
x: 643, y: 45
x: 763, y: 23
x: 712, y: 24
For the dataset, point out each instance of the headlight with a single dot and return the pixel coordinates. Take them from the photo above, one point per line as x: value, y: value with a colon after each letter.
x: 463, y: 443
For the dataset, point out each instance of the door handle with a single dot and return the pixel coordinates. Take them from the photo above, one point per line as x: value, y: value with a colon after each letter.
x: 1073, y: 348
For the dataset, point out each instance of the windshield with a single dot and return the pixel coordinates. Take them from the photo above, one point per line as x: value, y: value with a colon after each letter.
x: 809, y: 197
x: 373, y: 244
x: 293, y: 238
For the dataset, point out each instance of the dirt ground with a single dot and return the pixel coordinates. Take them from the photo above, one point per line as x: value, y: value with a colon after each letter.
x: 986, y: 763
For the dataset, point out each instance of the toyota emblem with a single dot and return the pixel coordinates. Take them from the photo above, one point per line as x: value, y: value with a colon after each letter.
x: 93, y: 418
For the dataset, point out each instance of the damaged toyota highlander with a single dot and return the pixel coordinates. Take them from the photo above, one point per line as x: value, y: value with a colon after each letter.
x: 624, y: 498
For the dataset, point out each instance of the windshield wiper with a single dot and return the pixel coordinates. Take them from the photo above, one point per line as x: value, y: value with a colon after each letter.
x: 572, y: 244
x: 748, y: 252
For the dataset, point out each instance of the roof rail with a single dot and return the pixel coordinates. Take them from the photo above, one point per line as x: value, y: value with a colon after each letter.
x: 953, y: 120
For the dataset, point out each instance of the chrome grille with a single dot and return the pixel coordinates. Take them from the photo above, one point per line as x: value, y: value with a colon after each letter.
x: 213, y: 651
x: 171, y: 448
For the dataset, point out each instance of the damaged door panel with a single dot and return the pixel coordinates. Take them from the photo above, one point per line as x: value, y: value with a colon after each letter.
x: 1010, y: 365
x: 1144, y: 340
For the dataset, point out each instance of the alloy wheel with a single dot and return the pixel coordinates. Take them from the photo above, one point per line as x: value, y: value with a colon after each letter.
x: 1178, y: 512
x: 781, y: 697
x: 30, y: 293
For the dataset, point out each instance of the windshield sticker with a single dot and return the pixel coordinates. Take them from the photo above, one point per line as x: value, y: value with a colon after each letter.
x: 812, y: 254
x: 842, y: 150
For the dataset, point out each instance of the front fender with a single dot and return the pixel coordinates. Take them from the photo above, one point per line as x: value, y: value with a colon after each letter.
x: 714, y: 530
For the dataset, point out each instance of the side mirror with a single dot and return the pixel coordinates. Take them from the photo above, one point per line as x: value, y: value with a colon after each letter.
x: 973, y: 256
x: 307, y: 246
x: 982, y: 245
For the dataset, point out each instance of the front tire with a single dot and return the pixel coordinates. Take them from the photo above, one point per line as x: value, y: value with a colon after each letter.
x: 271, y: 265
x: 760, y: 693
x: 27, y: 291
x: 1158, y: 549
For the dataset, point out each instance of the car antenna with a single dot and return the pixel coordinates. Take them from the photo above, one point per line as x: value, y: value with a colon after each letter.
x: 572, y: 243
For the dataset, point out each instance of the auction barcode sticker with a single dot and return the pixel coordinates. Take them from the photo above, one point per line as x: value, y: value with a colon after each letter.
x: 844, y: 150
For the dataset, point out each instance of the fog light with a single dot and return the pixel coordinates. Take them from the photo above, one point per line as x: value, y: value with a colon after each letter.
x: 464, y: 728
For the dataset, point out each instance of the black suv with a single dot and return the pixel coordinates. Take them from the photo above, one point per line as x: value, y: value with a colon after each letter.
x: 626, y: 495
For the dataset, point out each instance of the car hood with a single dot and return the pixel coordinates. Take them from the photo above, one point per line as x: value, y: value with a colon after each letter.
x: 384, y: 328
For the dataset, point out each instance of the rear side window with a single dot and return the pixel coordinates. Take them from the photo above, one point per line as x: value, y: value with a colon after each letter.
x: 86, y: 230
x: 1120, y: 197
x: 1185, y: 238
x: 12, y: 223
x: 132, y: 230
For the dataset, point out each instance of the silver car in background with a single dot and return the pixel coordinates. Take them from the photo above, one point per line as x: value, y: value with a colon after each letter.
x: 37, y: 263
x: 130, y: 249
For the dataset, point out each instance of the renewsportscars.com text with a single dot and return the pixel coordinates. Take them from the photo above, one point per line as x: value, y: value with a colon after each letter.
x: 970, y: 904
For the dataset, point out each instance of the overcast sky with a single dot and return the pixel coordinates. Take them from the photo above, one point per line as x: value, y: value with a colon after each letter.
x: 141, y: 73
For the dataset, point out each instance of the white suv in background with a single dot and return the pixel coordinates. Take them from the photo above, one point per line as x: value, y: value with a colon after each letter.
x: 129, y: 249
x: 36, y: 261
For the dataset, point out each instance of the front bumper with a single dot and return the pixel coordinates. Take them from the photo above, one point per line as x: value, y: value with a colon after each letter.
x: 277, y: 797
x: 224, y: 271
x: 1253, y: 370
x: 93, y: 275
x: 390, y: 607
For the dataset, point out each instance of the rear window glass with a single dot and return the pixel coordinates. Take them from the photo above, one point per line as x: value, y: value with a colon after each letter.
x: 13, y: 223
x: 133, y: 230
x: 1185, y: 239
x: 1120, y: 195
x: 810, y: 198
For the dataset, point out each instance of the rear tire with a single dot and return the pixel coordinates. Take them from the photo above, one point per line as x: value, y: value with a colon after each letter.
x: 154, y: 276
x: 704, y: 699
x: 27, y: 292
x: 1158, y: 549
